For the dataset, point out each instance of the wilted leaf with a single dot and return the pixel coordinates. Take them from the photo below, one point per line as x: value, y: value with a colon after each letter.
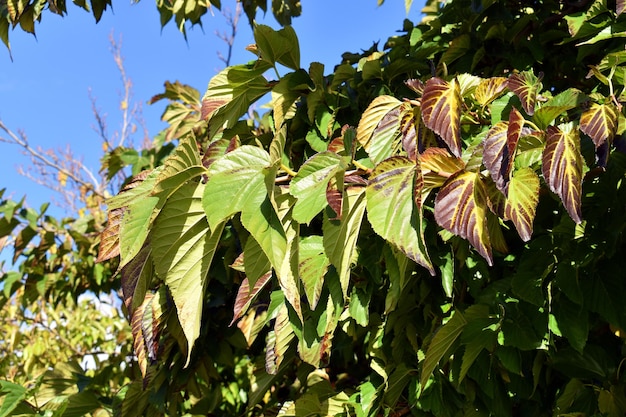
x: 392, y: 211
x: 599, y: 123
x: 441, y: 111
x: 146, y: 323
x: 460, y: 208
x: 526, y: 85
x: 563, y: 167
x: 136, y: 277
x: 522, y: 201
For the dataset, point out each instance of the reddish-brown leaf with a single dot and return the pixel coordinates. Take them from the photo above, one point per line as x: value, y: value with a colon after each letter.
x: 409, y: 129
x: 562, y: 166
x: 499, y: 149
x: 441, y: 111
x: 461, y: 208
x: 620, y: 6
x: 334, y: 195
x: 133, y: 286
x: 245, y: 295
x: 526, y: 85
x: 599, y: 123
x: 110, y: 237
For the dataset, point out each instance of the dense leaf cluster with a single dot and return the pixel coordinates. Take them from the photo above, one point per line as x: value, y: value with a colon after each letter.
x: 434, y: 228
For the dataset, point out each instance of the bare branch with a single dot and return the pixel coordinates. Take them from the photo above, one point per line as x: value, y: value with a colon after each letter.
x: 232, y: 20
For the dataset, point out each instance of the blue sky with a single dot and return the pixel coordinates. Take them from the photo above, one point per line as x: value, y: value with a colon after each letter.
x: 44, y: 91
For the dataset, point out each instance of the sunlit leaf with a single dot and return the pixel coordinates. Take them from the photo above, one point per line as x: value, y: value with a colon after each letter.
x: 499, y: 149
x: 179, y: 167
x: 378, y: 127
x: 278, y: 341
x: 410, y: 125
x: 183, y: 248
x: 312, y: 267
x: 310, y: 184
x: 278, y: 46
x: 460, y: 208
x: 231, y: 92
x: 392, y: 211
x: 245, y: 295
x: 146, y: 323
x: 235, y: 181
x: 110, y: 237
x: 563, y: 167
x: 490, y: 89
x: 557, y: 105
x: 522, y: 200
x: 599, y: 122
x: 437, y: 166
x: 526, y: 85
x: 136, y: 277
x: 340, y: 236
x: 441, y: 111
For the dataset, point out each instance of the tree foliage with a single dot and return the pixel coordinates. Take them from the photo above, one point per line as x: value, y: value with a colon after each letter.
x: 434, y: 228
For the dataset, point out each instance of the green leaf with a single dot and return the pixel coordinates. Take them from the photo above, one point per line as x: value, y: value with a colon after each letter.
x: 136, y: 225
x: 521, y: 204
x: 573, y: 321
x: 557, y: 105
x: 441, y: 111
x: 179, y: 167
x: 183, y: 248
x: 13, y: 395
x: 378, y: 128
x: 563, y: 168
x: 312, y: 267
x: 231, y: 92
x: 278, y: 46
x: 461, y: 208
x: 310, y: 184
x: 443, y: 340
x: 340, y: 236
x: 235, y: 181
x: 278, y: 341
x: 392, y: 209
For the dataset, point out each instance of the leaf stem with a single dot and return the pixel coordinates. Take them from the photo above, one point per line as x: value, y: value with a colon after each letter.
x: 360, y: 166
x: 288, y: 170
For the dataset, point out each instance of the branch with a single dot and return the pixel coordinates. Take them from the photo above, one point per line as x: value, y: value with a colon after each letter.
x: 232, y: 21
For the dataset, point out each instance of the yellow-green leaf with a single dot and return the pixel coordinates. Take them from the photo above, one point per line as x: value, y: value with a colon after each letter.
x: 599, y: 123
x: 379, y: 126
x: 522, y: 200
x: 392, y: 209
x: 562, y: 166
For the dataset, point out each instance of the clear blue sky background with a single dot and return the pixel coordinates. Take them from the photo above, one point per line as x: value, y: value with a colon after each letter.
x: 45, y: 90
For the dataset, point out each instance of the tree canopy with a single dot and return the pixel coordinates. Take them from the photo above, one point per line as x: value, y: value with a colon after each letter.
x: 433, y: 227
